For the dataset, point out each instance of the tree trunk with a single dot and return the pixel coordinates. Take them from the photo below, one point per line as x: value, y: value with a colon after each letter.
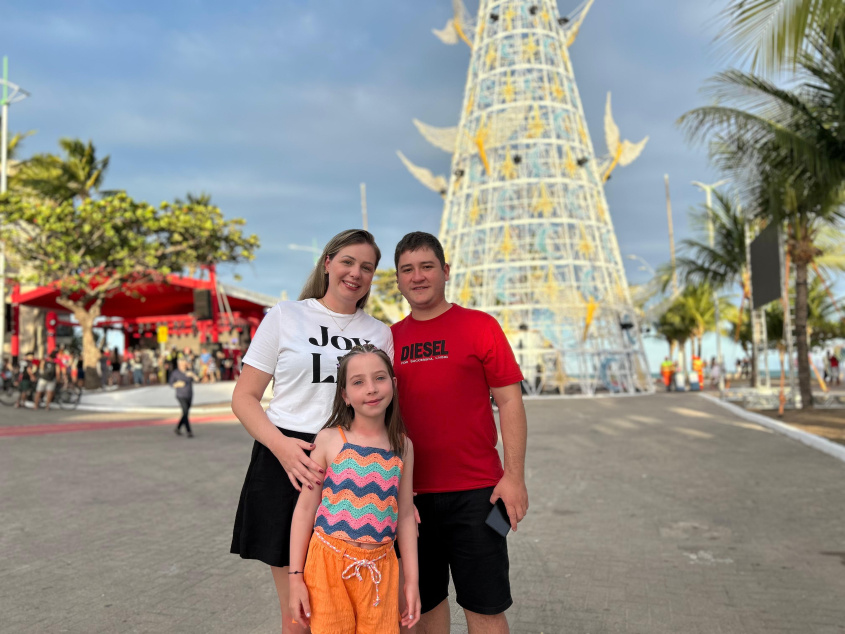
x: 90, y: 352
x: 753, y: 378
x: 803, y: 351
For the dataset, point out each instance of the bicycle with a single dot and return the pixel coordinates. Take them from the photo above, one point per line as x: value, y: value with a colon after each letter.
x: 68, y: 395
x: 10, y: 391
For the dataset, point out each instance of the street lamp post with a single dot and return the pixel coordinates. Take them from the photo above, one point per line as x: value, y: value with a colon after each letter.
x: 708, y: 192
x: 644, y: 266
x: 12, y: 93
x: 312, y: 249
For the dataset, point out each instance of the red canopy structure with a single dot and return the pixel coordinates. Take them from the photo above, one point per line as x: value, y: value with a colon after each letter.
x: 169, y: 301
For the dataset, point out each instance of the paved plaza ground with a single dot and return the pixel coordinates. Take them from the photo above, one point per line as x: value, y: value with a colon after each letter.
x: 658, y: 514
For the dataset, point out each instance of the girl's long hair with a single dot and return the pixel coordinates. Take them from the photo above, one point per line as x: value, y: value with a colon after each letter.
x: 343, y: 414
x: 318, y: 281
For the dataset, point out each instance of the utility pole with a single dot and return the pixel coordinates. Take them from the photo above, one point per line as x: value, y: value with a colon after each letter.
x: 708, y: 191
x: 364, y: 205
x: 12, y: 93
x: 671, y: 237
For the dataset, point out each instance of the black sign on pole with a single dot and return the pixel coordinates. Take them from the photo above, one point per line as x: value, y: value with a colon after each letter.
x: 202, y: 304
x: 766, y: 267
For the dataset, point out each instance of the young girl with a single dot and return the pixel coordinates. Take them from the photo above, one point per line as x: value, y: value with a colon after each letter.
x: 350, y: 582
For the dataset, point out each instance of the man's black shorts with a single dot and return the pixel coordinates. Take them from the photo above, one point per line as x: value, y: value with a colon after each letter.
x: 453, y: 536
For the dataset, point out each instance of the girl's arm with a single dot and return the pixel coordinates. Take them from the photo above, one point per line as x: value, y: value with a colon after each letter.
x: 407, y: 536
x: 246, y: 405
x: 300, y: 535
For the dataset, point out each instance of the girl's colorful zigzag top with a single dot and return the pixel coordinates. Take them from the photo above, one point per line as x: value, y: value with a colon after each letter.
x: 360, y: 495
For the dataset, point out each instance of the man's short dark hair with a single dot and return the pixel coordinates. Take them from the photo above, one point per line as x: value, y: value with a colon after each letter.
x: 417, y: 240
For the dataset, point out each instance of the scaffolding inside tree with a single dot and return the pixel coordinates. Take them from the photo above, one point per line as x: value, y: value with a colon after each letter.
x: 525, y: 223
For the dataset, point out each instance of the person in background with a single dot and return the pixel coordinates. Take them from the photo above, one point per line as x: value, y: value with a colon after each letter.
x: 104, y: 366
x: 29, y: 378
x: 115, y: 367
x: 136, y: 366
x: 667, y: 369
x: 205, y: 358
x: 834, y: 369
x: 49, y: 373
x: 182, y: 379
x: 715, y: 373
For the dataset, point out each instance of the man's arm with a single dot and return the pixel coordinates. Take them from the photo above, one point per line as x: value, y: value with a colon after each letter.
x: 514, y: 428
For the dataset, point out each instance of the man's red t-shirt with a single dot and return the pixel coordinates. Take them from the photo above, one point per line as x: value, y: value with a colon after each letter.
x: 445, y: 368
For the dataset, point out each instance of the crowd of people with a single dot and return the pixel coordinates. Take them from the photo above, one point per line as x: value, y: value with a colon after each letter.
x: 38, y: 378
x: 825, y: 364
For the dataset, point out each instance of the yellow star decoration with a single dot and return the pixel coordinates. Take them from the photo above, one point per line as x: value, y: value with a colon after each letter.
x: 557, y: 90
x: 470, y: 102
x: 569, y: 164
x: 585, y: 246
x: 506, y: 322
x: 602, y: 211
x: 536, y: 127
x: 551, y: 287
x: 480, y: 139
x: 591, y: 312
x: 466, y: 293
x: 508, y: 92
x: 508, y: 167
x: 544, y: 204
x: 529, y: 50
x: 582, y: 131
x: 507, y: 244
x: 546, y: 17
x: 508, y: 17
x: 474, y: 211
x: 481, y: 25
x: 491, y: 56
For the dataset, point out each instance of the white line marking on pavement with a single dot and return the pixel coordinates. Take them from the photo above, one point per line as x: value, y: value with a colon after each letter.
x: 648, y: 420
x: 694, y: 433
x: 692, y: 413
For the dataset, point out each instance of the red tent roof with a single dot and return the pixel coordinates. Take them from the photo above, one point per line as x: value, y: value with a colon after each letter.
x: 173, y: 295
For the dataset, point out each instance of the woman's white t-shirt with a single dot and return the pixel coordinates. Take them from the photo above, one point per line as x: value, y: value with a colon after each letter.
x: 300, y: 343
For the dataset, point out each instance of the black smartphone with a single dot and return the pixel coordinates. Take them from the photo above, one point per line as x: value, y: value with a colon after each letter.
x: 498, y: 518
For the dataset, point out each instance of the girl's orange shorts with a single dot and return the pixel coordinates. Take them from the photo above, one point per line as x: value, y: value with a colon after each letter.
x: 345, y: 606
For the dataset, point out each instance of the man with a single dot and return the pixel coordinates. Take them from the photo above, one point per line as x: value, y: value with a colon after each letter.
x: 182, y: 379
x: 48, y: 372
x: 448, y: 360
x: 667, y: 369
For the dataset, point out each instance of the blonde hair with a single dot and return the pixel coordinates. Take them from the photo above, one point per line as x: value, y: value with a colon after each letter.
x: 318, y: 282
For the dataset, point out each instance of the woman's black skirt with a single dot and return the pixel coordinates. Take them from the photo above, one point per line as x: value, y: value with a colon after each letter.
x: 265, y: 509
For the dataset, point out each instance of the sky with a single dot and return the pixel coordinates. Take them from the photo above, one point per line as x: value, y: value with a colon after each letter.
x: 279, y: 109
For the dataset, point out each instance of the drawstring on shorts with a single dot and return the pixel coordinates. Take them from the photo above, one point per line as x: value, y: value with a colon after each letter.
x: 354, y: 569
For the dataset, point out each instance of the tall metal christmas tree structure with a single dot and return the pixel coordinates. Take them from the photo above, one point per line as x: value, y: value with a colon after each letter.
x: 525, y: 224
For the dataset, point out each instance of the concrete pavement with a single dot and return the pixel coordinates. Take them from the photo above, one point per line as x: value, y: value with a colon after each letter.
x: 648, y: 514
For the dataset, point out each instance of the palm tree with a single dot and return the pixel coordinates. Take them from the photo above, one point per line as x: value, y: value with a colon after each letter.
x: 699, y: 302
x: 772, y: 33
x: 676, y: 325
x: 13, y: 147
x: 76, y: 175
x: 787, y: 150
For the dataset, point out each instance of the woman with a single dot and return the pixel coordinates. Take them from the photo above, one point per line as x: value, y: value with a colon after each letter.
x: 298, y: 344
